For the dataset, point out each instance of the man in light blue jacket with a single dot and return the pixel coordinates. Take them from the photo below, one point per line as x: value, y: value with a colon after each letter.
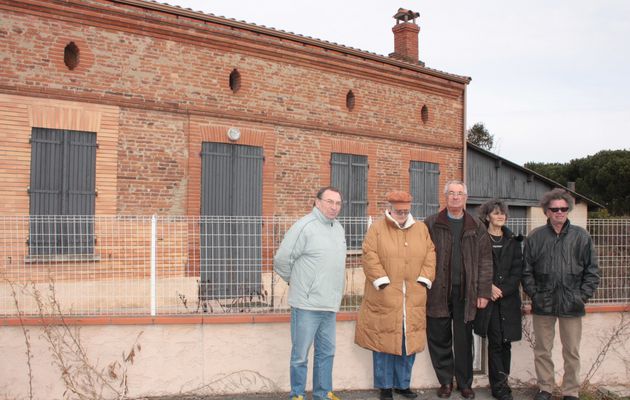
x: 312, y: 259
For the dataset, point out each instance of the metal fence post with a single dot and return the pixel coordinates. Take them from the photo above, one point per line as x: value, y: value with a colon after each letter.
x: 153, y: 262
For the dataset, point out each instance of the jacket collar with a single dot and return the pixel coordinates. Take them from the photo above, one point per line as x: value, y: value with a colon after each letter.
x: 564, y: 229
x: 469, y: 220
x: 410, y: 221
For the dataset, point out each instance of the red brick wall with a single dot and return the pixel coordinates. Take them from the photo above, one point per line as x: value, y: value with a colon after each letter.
x: 406, y: 41
x: 152, y: 163
x: 169, y: 77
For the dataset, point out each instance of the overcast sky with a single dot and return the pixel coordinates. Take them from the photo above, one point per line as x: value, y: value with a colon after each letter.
x: 550, y: 79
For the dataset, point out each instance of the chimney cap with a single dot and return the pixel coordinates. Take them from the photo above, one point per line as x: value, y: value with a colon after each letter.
x: 404, y: 15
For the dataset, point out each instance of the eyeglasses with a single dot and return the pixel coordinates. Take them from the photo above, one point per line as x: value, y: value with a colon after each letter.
x: 453, y: 194
x: 332, y: 202
x: 400, y: 212
x: 558, y: 209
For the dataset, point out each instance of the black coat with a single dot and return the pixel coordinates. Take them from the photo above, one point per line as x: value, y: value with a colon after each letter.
x: 561, y: 271
x: 507, y: 268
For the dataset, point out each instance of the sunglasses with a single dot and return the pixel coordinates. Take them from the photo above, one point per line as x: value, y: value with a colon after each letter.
x: 558, y: 209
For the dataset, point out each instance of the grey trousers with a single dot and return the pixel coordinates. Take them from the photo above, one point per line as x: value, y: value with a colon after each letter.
x: 570, y: 335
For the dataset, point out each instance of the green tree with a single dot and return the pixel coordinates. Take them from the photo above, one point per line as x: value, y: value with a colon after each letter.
x: 480, y: 136
x: 602, y: 177
x: 555, y: 171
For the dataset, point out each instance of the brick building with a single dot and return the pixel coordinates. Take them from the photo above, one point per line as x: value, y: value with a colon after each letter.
x: 153, y: 89
x: 131, y: 107
x: 136, y: 108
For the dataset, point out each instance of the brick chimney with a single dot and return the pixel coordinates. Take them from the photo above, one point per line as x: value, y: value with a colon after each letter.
x: 406, y: 36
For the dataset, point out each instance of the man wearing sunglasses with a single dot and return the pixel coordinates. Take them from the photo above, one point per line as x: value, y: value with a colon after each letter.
x: 560, y: 275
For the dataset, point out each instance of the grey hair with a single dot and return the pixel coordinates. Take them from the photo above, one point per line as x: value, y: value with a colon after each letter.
x: 489, y: 206
x: 556, y: 194
x: 455, y: 182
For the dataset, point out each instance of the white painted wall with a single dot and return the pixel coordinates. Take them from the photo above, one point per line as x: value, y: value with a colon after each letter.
x: 238, y: 358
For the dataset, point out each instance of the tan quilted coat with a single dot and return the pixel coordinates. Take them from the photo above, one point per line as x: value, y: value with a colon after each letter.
x: 403, y: 255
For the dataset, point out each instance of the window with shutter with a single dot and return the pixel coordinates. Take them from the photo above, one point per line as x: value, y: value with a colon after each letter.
x: 231, y: 248
x: 424, y: 178
x: 349, y: 174
x: 62, y: 192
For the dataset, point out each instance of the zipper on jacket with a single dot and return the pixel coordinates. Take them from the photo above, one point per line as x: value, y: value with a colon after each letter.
x: 404, y: 290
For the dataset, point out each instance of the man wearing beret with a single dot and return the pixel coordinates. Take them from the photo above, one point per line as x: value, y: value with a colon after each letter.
x: 399, y: 265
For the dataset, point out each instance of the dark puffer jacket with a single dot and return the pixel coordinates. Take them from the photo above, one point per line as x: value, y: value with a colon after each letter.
x: 476, y: 264
x: 561, y: 271
x: 508, y: 268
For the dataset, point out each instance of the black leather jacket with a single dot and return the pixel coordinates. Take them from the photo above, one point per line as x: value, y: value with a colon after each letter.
x: 561, y: 271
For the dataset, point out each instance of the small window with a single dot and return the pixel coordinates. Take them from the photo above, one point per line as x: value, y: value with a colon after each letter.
x: 350, y: 100
x: 424, y: 114
x: 71, y: 56
x: 235, y: 80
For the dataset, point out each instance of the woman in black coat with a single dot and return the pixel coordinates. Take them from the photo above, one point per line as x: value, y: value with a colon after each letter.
x: 501, y: 320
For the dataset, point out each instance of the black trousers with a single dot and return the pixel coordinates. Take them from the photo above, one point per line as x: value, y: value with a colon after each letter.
x: 499, y: 354
x: 448, y: 335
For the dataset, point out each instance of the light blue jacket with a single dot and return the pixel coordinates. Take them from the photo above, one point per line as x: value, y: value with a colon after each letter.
x: 312, y: 259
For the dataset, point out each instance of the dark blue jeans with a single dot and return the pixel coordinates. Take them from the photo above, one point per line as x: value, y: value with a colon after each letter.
x: 392, y: 371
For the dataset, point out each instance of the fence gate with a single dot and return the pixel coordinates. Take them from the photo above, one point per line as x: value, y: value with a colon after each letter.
x: 231, y: 209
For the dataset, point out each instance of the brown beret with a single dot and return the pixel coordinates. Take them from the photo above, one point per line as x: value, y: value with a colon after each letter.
x: 399, y: 196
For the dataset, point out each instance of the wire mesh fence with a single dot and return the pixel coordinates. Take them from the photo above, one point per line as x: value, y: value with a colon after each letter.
x: 144, y: 265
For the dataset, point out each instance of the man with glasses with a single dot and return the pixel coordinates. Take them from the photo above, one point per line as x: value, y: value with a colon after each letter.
x: 560, y: 275
x: 312, y: 260
x: 463, y: 283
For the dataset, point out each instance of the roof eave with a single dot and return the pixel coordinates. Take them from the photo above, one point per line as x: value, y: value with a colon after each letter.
x: 167, y: 8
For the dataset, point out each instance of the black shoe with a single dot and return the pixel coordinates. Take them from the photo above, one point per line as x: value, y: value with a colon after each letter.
x: 386, y: 394
x: 569, y: 398
x: 445, y: 391
x: 408, y: 393
x: 542, y: 395
x: 502, y: 392
x: 467, y: 393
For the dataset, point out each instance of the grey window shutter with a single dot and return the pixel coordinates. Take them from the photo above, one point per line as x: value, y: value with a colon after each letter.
x: 62, y: 187
x: 349, y: 175
x: 424, y: 180
x: 231, y: 248
x: 79, y: 196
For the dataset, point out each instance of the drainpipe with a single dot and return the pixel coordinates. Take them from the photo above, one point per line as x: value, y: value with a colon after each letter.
x: 465, y: 157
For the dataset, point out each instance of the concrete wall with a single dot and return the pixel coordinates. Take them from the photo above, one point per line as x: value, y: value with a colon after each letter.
x: 239, y: 358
